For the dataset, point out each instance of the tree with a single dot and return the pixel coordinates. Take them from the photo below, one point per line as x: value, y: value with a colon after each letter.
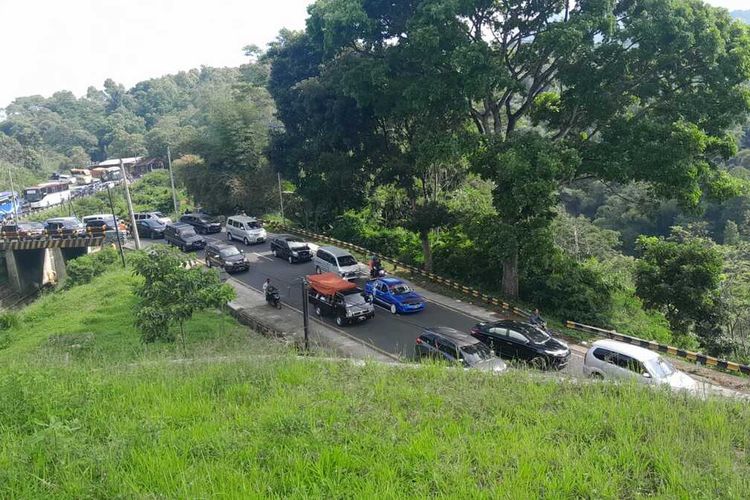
x: 635, y: 90
x: 680, y: 278
x: 170, y: 293
x: 731, y: 233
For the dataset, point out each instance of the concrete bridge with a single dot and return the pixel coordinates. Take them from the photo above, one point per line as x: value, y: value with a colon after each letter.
x: 32, y: 264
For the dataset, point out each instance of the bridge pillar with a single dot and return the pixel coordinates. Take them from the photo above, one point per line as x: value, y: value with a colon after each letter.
x: 54, y: 267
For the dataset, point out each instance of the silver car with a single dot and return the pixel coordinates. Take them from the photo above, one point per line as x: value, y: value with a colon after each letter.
x: 336, y: 260
x: 610, y: 359
x: 245, y: 229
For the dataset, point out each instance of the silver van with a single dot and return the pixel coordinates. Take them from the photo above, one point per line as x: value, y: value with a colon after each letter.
x: 336, y: 260
x: 245, y: 229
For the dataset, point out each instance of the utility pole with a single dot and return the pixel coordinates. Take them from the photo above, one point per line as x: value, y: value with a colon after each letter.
x: 136, y: 239
x: 305, y: 314
x: 14, y: 196
x: 117, y: 226
x: 171, y: 179
x: 281, y: 200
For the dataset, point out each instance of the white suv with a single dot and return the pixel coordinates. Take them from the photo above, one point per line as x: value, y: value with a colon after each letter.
x: 618, y: 360
x: 245, y: 229
x: 336, y: 260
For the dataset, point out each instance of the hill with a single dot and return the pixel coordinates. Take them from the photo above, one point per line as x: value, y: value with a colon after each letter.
x: 88, y: 411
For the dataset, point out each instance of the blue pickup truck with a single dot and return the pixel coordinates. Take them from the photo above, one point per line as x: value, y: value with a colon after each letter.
x: 393, y: 294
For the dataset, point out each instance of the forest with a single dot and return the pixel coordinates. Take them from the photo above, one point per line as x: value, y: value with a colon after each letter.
x: 592, y: 161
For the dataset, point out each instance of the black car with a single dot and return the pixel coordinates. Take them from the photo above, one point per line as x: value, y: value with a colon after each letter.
x: 64, y: 227
x: 150, y: 228
x: 523, y: 341
x: 202, y: 223
x: 291, y: 248
x: 228, y: 257
x: 23, y: 231
x: 447, y: 344
x: 183, y: 237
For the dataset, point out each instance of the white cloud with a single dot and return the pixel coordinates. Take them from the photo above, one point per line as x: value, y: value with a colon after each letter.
x: 49, y: 45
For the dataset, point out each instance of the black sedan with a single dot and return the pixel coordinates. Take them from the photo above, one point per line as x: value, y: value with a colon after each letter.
x: 522, y: 341
x: 150, y: 228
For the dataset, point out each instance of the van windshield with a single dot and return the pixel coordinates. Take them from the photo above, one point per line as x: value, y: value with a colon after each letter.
x: 354, y: 299
x: 347, y: 260
x: 659, y: 367
x: 229, y: 252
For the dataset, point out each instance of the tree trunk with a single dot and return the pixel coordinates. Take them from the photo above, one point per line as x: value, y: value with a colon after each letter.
x: 426, y: 250
x: 510, y: 276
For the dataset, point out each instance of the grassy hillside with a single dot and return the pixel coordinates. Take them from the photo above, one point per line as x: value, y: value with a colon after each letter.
x: 104, y: 416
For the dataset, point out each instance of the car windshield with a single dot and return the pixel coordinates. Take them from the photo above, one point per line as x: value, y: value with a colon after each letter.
x: 158, y: 214
x: 253, y: 225
x: 347, y: 260
x: 400, y: 289
x: 354, y: 299
x: 187, y: 232
x: 659, y: 367
x: 229, y: 252
x: 474, y: 353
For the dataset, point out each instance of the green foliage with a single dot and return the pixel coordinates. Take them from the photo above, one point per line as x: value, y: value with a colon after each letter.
x: 171, y: 293
x: 731, y: 233
x: 680, y: 278
x: 8, y: 320
x: 85, y: 268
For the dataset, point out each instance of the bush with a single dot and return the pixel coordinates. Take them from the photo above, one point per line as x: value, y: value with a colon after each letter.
x: 362, y: 228
x: 87, y: 267
x: 9, y: 320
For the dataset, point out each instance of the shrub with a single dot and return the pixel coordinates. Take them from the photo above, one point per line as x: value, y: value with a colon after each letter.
x: 87, y: 267
x: 9, y: 320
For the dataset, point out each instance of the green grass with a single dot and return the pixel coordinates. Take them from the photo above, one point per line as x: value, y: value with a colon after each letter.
x: 94, y: 323
x: 87, y: 411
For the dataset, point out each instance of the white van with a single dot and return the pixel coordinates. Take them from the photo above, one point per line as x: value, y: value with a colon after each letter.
x: 617, y: 360
x: 245, y: 229
x: 336, y: 260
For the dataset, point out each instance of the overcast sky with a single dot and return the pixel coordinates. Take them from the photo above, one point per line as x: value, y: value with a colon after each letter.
x: 49, y: 45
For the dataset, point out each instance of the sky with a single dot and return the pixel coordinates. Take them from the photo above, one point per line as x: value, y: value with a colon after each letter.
x: 50, y: 45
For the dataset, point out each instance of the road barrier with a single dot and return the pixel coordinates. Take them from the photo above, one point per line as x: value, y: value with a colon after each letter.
x: 655, y: 346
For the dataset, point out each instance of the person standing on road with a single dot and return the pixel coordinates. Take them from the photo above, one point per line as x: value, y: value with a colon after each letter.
x: 266, y: 284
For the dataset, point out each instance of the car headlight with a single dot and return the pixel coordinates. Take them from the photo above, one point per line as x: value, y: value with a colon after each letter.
x: 295, y: 253
x: 348, y: 312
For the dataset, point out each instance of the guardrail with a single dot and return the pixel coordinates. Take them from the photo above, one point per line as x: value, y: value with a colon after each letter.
x: 655, y: 346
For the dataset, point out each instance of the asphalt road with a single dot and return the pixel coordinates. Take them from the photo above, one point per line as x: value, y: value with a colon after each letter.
x: 390, y: 333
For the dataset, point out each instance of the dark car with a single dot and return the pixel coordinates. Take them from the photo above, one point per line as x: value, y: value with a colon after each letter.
x: 228, y: 257
x: 23, y: 230
x: 64, y: 227
x: 183, y: 237
x: 150, y: 228
x: 202, y: 223
x: 444, y: 343
x: 523, y: 341
x: 291, y: 248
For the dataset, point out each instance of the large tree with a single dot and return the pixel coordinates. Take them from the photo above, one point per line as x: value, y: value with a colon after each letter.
x: 622, y: 90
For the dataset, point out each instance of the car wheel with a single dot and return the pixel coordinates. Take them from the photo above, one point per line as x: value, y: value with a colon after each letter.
x: 246, y: 241
x: 317, y: 311
x: 317, y: 270
x: 394, y: 310
x: 597, y: 376
x: 539, y: 363
x: 339, y: 321
x: 229, y: 236
x: 291, y: 260
x: 274, y: 252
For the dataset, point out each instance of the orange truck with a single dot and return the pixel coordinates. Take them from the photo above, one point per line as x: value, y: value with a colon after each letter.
x: 331, y: 295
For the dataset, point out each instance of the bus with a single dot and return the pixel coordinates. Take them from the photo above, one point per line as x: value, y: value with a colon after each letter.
x: 8, y: 204
x: 47, y: 194
x: 82, y: 176
x: 107, y: 174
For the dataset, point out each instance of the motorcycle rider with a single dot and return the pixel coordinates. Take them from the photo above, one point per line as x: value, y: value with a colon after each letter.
x: 375, y: 266
x: 537, y: 320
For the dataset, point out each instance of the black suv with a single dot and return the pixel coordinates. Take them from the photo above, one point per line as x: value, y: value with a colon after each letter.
x: 523, y: 341
x: 444, y: 343
x: 150, y: 228
x: 291, y: 248
x: 64, y: 227
x: 183, y: 237
x: 202, y: 223
x: 228, y: 257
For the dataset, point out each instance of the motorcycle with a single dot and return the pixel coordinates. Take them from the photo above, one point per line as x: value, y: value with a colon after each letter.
x: 377, y: 272
x: 273, y: 297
